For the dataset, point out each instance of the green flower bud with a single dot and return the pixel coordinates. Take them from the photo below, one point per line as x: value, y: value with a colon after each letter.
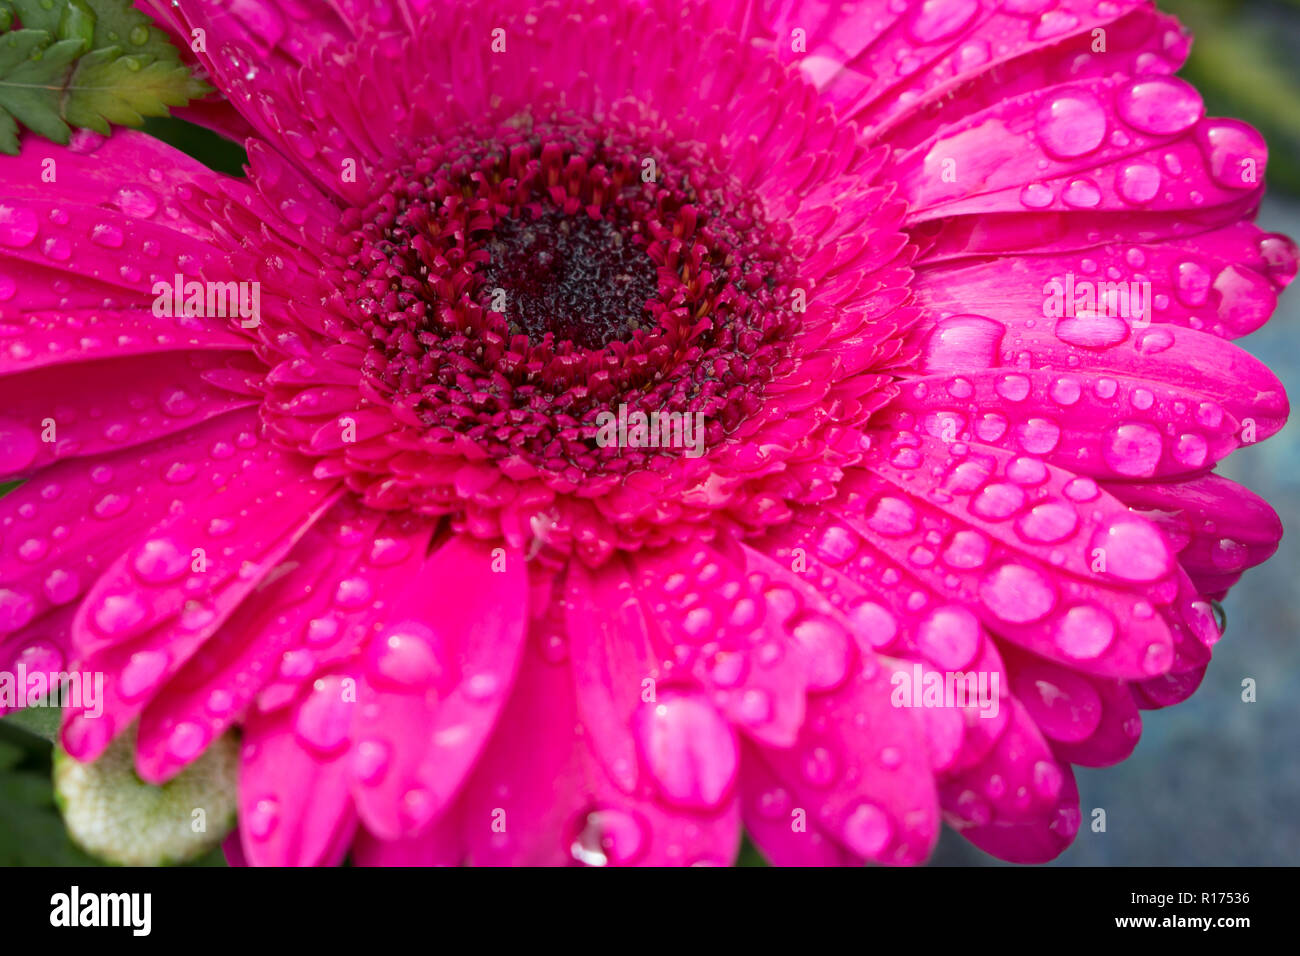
x: 112, y: 814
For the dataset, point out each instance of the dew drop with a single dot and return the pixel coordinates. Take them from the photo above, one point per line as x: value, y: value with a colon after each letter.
x: 1072, y: 124
x: 868, y: 830
x: 1017, y: 594
x: 1162, y: 105
x: 18, y: 226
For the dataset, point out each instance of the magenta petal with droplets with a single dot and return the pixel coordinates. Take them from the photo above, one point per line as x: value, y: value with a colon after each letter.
x: 380, y: 532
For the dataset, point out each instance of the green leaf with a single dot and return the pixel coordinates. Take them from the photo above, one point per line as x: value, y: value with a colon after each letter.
x: 85, y: 63
x: 31, y: 72
x: 31, y: 832
x: 41, y: 721
x: 110, y: 88
x: 115, y: 23
x: 118, y: 23
x: 38, y: 14
x: 8, y: 134
x: 77, y: 23
x: 10, y: 755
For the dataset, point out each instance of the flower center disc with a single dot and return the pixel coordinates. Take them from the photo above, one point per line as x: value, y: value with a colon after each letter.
x: 511, y: 287
x: 573, y: 276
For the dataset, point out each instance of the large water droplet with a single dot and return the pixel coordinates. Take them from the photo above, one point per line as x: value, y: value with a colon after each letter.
x: 1135, y: 550
x: 1072, y: 124
x: 608, y: 836
x: 324, y: 718
x: 998, y: 501
x: 949, y: 636
x: 689, y: 749
x: 827, y: 649
x: 16, y: 609
x: 18, y: 226
x: 1161, y: 105
x: 1084, y: 632
x: 137, y: 201
x: 142, y: 673
x: 159, y: 560
x: 1048, y: 522
x: 409, y: 656
x: 937, y: 20
x: 117, y: 614
x: 892, y: 516
x: 1236, y: 153
x: 1132, y: 449
x: 1138, y: 182
x: 868, y: 831
x: 1017, y: 594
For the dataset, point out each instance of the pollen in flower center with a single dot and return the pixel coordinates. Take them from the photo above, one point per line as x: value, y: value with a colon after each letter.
x: 576, y: 277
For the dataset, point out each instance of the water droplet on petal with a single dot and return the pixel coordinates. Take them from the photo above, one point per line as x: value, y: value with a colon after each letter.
x: 966, y: 551
x: 16, y: 609
x: 137, y: 201
x: 1081, y: 194
x: 160, y: 560
x: 1072, y: 124
x: 142, y: 674
x: 997, y: 501
x: 937, y: 20
x: 868, y: 831
x: 1048, y: 522
x: 1017, y: 594
x: 1236, y: 153
x: 262, y: 819
x: 874, y: 623
x: 370, y: 761
x: 819, y: 767
x: 608, y: 836
x: 324, y: 717
x: 117, y: 614
x: 892, y: 516
x: 1084, y: 632
x: 827, y: 650
x: 410, y: 656
x: 107, y: 235
x: 950, y: 637
x: 1138, y: 183
x: 1135, y: 550
x: 1161, y: 105
x: 689, y: 749
x: 1132, y: 449
x: 352, y: 593
x: 18, y: 226
x: 186, y: 741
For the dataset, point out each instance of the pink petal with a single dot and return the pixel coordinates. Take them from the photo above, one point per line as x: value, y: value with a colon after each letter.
x: 295, y: 807
x: 540, y: 797
x: 435, y: 683
x: 860, y: 771
x: 153, y: 396
x: 781, y: 830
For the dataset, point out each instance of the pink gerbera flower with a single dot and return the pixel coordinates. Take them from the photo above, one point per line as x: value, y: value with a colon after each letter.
x: 949, y: 291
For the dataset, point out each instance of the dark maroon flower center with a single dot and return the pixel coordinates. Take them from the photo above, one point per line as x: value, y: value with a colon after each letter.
x: 523, y: 281
x: 580, y: 279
